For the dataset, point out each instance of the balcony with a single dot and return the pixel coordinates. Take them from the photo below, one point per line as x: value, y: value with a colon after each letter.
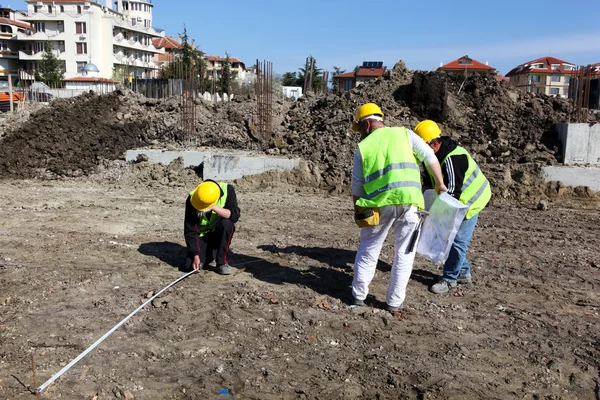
x: 119, y: 40
x: 9, y: 54
x: 42, y: 36
x: 38, y: 55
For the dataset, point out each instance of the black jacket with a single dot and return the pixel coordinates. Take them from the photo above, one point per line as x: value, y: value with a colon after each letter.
x: 453, y: 169
x: 192, y: 219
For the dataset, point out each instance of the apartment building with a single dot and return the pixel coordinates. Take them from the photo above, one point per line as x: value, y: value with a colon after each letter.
x: 465, y: 65
x: 9, y: 47
x: 548, y: 75
x: 88, y: 32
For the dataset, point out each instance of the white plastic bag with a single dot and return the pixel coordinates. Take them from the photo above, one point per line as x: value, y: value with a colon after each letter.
x: 441, y: 225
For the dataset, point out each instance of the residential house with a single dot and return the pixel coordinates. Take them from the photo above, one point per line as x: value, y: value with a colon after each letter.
x: 214, y: 68
x: 172, y: 48
x: 370, y: 70
x: 9, y: 47
x: 465, y: 65
x: 83, y: 32
x: 548, y: 75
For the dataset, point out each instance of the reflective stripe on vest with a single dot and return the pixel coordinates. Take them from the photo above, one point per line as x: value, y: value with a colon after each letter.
x: 205, y: 224
x: 390, y: 169
x: 475, y: 191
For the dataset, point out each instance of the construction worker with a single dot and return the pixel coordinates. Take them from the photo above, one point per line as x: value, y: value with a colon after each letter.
x: 386, y: 191
x: 465, y: 182
x: 211, y: 211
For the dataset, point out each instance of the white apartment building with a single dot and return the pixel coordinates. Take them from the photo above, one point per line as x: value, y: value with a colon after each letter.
x: 88, y: 32
x: 9, y: 49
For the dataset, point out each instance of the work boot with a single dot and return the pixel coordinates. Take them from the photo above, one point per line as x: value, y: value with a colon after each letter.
x: 464, y: 280
x: 224, y: 269
x: 357, y: 302
x: 393, y: 309
x: 442, y: 287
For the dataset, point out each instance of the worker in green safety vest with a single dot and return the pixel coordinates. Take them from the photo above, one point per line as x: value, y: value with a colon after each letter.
x: 211, y: 211
x: 386, y: 191
x: 465, y: 182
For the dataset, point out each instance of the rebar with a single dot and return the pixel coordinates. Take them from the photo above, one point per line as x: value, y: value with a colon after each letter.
x: 264, y: 100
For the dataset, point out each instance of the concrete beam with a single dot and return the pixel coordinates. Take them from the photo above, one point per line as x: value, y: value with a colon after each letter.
x: 574, y: 176
x: 219, y: 165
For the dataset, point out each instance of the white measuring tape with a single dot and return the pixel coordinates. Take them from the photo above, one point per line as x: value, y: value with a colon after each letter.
x: 107, y: 334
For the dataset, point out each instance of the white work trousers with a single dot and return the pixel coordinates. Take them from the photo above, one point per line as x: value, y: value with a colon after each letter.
x: 404, y: 219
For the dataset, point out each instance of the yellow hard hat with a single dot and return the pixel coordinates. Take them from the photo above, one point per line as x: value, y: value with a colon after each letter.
x: 364, y: 111
x: 428, y: 130
x: 205, y: 195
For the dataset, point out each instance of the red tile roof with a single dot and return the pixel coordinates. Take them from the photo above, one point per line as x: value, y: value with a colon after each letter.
x: 345, y: 75
x: 89, y: 79
x: 16, y: 23
x: 370, y: 72
x: 167, y: 42
x: 525, y: 68
x: 219, y: 58
x: 474, y: 65
x: 501, y: 78
x: 363, y: 72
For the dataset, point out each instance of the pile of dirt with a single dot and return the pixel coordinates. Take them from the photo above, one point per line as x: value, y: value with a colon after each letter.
x: 511, y: 134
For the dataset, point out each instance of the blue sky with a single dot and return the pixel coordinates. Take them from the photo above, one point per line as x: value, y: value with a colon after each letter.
x: 344, y: 33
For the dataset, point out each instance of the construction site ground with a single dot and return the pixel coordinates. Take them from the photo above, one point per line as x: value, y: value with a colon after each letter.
x: 79, y: 255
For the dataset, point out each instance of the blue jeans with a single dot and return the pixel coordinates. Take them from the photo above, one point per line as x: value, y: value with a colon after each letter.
x: 457, y: 265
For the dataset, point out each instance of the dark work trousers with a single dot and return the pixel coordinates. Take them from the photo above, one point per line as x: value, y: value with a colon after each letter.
x: 214, y: 245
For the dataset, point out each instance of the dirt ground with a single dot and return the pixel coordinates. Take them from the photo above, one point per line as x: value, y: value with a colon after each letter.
x: 78, y: 256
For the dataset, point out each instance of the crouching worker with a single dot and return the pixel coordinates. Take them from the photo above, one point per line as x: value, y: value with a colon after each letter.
x: 467, y: 184
x: 211, y: 211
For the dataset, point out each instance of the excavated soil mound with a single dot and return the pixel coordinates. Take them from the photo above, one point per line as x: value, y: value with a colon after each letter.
x: 70, y: 138
x: 510, y: 134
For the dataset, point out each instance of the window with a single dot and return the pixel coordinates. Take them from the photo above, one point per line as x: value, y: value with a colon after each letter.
x: 554, y: 91
x: 60, y: 26
x: 80, y: 65
x: 49, y: 9
x: 80, y: 28
x: 535, y: 78
x: 537, y: 90
x: 555, y: 78
x: 3, y: 45
x: 555, y: 66
x: 39, y: 26
x: 347, y: 85
x: 567, y: 79
x: 36, y: 8
x: 62, y: 9
x: 132, y: 21
x: 5, y: 29
x: 78, y: 9
x: 81, y: 48
x: 565, y: 91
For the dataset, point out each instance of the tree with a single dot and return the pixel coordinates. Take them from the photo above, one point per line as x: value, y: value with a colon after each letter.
x: 289, y: 79
x: 50, y: 68
x: 334, y: 82
x: 188, y: 64
x: 227, y: 75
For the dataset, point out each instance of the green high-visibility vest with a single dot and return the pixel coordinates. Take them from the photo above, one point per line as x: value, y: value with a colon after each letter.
x: 476, y: 191
x: 206, y: 224
x: 390, y: 170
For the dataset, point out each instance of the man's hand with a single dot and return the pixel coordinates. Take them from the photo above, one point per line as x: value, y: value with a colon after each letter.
x: 205, y: 212
x: 440, y: 187
x: 196, y: 263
